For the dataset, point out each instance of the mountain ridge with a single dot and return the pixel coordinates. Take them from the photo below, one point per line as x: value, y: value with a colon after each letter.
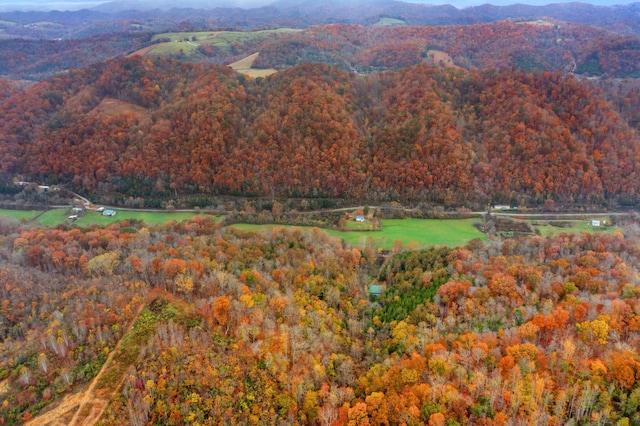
x: 419, y: 133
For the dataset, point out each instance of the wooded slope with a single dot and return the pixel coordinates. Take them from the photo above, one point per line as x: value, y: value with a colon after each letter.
x: 421, y: 132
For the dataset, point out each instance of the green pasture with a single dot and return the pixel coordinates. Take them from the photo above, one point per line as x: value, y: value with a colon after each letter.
x: 54, y: 217
x: 19, y: 214
x: 352, y: 225
x: 174, y: 48
x: 412, y: 232
x: 216, y: 38
x: 384, y: 22
x: 180, y: 36
x: 553, y: 228
x: 150, y: 218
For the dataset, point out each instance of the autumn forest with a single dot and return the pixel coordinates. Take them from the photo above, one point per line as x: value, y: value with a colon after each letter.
x: 421, y: 132
x: 198, y: 323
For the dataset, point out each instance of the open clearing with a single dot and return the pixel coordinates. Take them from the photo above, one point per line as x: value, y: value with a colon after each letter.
x: 150, y: 218
x: 111, y: 107
x: 19, y: 214
x: 412, y: 232
x: 553, y: 228
x: 443, y: 59
x: 220, y: 38
x: 244, y: 65
x: 58, y: 216
x: 387, y: 22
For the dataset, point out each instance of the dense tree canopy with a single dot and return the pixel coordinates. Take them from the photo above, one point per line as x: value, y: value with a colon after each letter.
x: 143, y: 127
x: 249, y: 328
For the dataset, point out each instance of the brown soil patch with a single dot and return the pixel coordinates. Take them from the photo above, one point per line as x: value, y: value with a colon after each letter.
x: 60, y: 414
x: 437, y: 57
x: 111, y: 107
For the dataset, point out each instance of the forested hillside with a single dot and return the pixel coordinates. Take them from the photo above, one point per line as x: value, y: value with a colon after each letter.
x: 151, y: 128
x: 526, y: 45
x: 240, y: 328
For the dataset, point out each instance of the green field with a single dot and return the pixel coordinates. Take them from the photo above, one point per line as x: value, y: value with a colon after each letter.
x: 186, y: 44
x: 414, y: 232
x: 19, y: 214
x: 547, y: 229
x: 174, y: 48
x: 218, y: 38
x: 385, y: 22
x: 55, y: 217
x: 150, y: 218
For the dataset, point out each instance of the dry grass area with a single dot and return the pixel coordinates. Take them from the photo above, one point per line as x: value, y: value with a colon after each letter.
x: 111, y: 107
x: 443, y: 59
x: 244, y: 65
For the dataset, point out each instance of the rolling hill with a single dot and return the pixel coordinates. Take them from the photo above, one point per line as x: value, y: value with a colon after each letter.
x: 451, y: 136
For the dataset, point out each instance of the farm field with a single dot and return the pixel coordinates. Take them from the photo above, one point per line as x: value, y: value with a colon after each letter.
x: 186, y: 44
x: 414, y: 232
x: 220, y: 38
x: 58, y: 216
x: 384, y: 22
x: 548, y: 229
x: 150, y: 218
x: 19, y: 214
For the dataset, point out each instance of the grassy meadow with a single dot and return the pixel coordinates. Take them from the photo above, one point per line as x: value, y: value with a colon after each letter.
x: 412, y: 233
x: 19, y: 214
x: 187, y: 43
x: 553, y: 228
x: 150, y: 218
x: 59, y: 216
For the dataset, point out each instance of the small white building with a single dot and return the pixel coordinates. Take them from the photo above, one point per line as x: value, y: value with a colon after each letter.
x: 595, y: 223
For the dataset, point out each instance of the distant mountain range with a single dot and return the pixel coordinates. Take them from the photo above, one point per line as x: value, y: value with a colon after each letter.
x: 158, y: 16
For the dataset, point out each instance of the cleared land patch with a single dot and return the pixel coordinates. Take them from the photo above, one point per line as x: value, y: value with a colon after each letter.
x: 553, y: 228
x: 150, y: 218
x: 244, y: 66
x: 186, y: 45
x: 111, y: 107
x: 411, y: 232
x: 438, y: 57
x: 19, y: 214
x: 387, y: 22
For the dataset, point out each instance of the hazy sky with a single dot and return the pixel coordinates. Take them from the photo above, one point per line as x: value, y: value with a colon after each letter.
x: 7, y: 5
